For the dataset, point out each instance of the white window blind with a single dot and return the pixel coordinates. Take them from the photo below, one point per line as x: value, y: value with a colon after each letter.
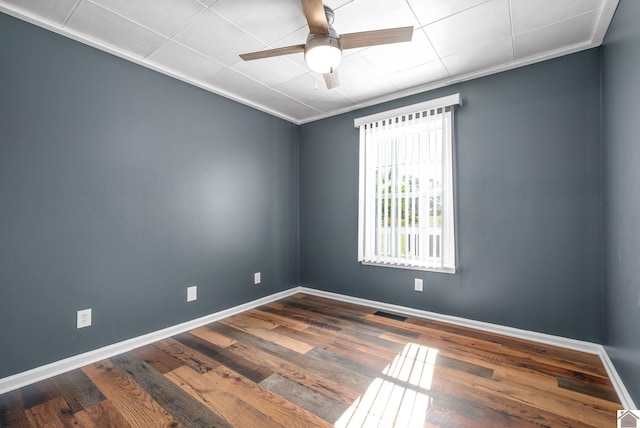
x: 405, y: 216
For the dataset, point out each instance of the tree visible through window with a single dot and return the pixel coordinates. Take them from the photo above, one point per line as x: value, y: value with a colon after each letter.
x: 406, y: 188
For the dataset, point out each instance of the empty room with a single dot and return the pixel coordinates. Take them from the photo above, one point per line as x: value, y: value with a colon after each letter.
x: 306, y: 213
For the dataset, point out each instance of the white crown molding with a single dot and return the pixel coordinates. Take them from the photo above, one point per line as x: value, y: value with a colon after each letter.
x: 37, y: 374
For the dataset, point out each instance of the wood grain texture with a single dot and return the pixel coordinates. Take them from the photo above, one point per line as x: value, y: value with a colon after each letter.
x: 175, y: 401
x: 104, y: 414
x: 306, y: 361
x: 278, y: 408
x: 51, y: 413
x: 316, y: 403
x: 213, y: 393
x: 127, y: 397
x: 245, y: 367
x: 78, y: 391
x: 162, y: 361
x: 316, y: 19
x: 268, y: 53
x: 376, y: 37
x: 12, y: 410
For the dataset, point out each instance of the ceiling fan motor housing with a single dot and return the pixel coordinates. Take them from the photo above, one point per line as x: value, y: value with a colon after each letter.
x: 314, y: 40
x: 331, y: 39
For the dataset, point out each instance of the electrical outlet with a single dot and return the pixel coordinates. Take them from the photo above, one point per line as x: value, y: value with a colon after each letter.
x: 418, y: 285
x: 83, y: 318
x: 192, y: 293
x: 256, y: 278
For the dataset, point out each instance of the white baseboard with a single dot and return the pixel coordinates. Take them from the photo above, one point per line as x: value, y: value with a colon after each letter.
x: 618, y: 385
x: 37, y: 374
x: 548, y: 339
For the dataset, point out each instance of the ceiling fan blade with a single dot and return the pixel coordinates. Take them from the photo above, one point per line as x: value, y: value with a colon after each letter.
x: 272, y: 52
x: 317, y: 20
x: 331, y: 79
x: 376, y: 37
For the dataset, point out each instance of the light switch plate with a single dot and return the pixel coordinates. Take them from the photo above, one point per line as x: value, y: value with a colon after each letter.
x: 192, y: 293
x: 418, y: 285
x: 256, y: 278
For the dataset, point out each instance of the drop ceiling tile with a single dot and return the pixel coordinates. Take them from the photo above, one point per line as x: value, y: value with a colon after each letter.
x: 336, y: 4
x: 102, y: 25
x: 337, y: 101
x: 217, y: 38
x: 184, y: 61
x: 296, y: 38
x: 357, y: 69
x: 55, y: 12
x: 300, y: 86
x: 231, y: 81
x: 298, y: 59
x: 367, y: 91
x: 298, y: 111
x: 267, y: 21
x: 400, y: 56
x: 479, y: 58
x: 435, y: 10
x: 164, y: 16
x: 480, y: 25
x: 556, y: 36
x: 528, y: 15
x: 366, y: 15
x: 327, y: 100
x: 420, y: 75
x: 289, y: 106
x: 270, y: 71
x: 311, y: 90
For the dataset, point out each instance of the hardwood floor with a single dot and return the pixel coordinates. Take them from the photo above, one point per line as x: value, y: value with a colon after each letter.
x: 306, y: 361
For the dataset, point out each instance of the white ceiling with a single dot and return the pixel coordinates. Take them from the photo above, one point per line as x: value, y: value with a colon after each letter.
x: 198, y: 41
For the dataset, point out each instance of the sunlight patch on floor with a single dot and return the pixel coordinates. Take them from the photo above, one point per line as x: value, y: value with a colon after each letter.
x: 400, y: 396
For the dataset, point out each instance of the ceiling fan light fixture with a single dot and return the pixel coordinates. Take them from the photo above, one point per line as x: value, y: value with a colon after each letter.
x: 323, y: 49
x: 323, y: 53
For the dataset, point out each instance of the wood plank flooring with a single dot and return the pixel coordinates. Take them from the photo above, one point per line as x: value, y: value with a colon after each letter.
x: 306, y: 361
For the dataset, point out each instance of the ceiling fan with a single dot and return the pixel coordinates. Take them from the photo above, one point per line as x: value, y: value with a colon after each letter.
x: 323, y: 48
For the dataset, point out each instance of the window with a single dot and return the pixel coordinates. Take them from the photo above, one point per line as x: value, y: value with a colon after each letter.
x: 406, y: 210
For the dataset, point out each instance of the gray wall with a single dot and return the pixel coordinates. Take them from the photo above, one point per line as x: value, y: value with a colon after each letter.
x: 119, y: 187
x: 528, y: 198
x: 621, y: 154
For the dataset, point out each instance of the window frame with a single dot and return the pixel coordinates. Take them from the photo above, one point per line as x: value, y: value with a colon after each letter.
x: 396, y: 261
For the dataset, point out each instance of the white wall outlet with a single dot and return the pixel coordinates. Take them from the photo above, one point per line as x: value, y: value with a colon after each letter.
x: 256, y: 278
x: 418, y: 285
x: 192, y: 293
x: 83, y: 318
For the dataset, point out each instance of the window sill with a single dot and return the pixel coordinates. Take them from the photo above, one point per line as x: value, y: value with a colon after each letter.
x: 395, y: 266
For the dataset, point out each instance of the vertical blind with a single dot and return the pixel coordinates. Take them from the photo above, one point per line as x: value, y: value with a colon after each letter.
x: 406, y: 216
